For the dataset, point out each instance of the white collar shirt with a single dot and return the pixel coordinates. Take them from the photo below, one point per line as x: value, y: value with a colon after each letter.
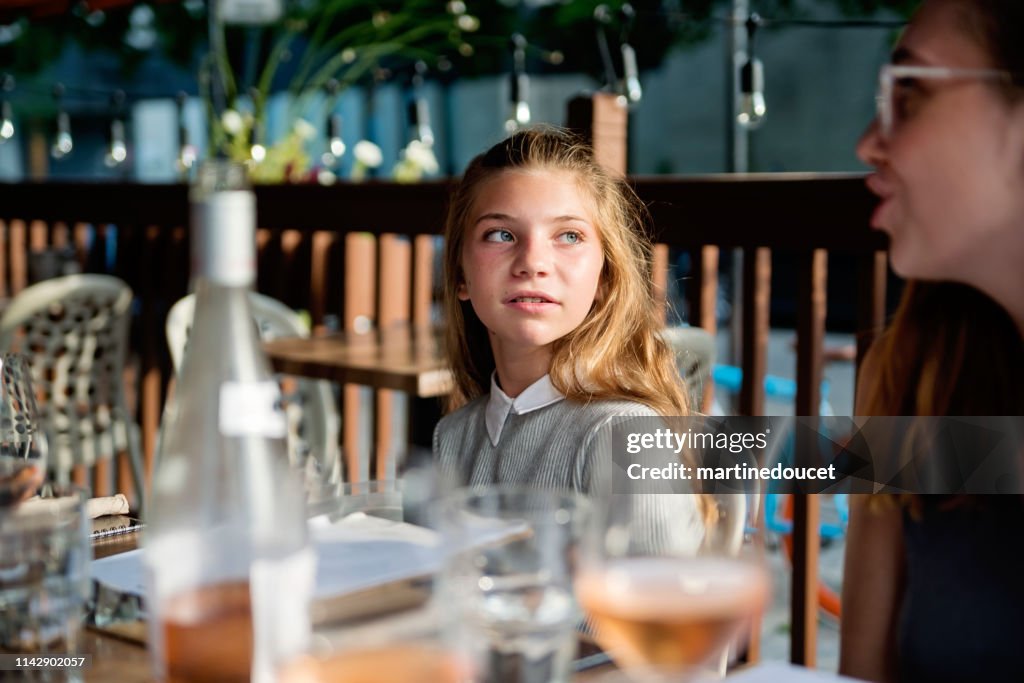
x: 538, y: 395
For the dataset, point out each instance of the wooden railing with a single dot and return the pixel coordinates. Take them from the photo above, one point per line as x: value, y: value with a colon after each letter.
x: 365, y: 254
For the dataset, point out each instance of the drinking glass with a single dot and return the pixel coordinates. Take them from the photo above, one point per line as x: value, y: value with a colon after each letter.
x: 666, y: 581
x: 392, y: 630
x: 508, y: 580
x: 44, y: 573
x: 22, y: 444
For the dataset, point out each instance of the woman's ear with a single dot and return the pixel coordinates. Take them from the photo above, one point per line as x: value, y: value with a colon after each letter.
x: 462, y: 291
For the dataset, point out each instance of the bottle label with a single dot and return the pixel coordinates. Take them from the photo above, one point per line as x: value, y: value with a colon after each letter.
x: 224, y: 238
x: 252, y: 409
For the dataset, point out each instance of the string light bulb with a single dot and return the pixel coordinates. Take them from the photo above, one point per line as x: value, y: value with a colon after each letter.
x: 187, y: 153
x: 6, y: 110
x: 520, y: 86
x: 257, y: 150
x: 63, y: 143
x: 117, y: 151
x: 630, y: 72
x: 419, y: 108
x: 752, y: 109
x: 335, y: 145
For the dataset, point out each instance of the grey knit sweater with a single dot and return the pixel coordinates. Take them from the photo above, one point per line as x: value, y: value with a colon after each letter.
x: 562, y: 445
x: 551, y: 447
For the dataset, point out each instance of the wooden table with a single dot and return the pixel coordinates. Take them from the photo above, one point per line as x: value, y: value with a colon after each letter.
x: 400, y: 361
x: 401, y: 358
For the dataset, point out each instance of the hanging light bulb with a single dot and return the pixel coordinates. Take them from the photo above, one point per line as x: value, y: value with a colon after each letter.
x: 186, y: 150
x: 752, y: 104
x: 117, y: 151
x: 6, y: 110
x: 257, y: 151
x: 62, y: 143
x: 419, y: 109
x: 630, y: 71
x: 752, y: 107
x: 335, y: 145
x: 520, y: 86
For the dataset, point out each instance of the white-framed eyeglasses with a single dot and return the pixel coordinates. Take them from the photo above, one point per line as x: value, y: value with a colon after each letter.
x: 899, y: 92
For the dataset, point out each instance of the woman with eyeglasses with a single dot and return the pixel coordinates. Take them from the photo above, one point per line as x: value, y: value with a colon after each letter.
x: 934, y: 586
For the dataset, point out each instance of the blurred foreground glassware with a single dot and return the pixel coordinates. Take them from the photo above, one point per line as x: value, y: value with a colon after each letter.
x: 664, y: 608
x: 508, y: 580
x: 409, y: 647
x: 395, y: 632
x: 22, y: 443
x: 44, y: 575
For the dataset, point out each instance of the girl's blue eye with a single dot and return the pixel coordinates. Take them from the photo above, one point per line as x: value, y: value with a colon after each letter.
x: 571, y: 237
x: 498, y: 236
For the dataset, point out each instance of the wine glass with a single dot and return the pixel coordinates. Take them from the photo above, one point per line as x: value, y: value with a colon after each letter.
x: 666, y: 583
x: 22, y: 443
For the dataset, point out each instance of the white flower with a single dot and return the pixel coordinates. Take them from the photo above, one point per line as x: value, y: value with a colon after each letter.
x: 423, y: 156
x: 406, y: 171
x: 304, y: 129
x: 232, y: 121
x: 368, y: 154
x: 468, y: 23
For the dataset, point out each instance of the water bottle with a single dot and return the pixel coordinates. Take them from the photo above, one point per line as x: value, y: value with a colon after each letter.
x: 228, y: 561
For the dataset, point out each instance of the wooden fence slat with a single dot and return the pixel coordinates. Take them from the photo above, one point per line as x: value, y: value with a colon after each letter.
x: 659, y: 277
x: 423, y: 280
x: 872, y: 270
x: 360, y: 295
x: 322, y: 242
x: 804, y: 598
x: 393, y: 308
x: 706, y: 315
x: 18, y: 241
x: 812, y: 300
x: 4, y: 259
x: 757, y: 281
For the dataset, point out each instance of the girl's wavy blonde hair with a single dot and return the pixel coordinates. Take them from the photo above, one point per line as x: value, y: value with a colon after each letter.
x: 616, y: 352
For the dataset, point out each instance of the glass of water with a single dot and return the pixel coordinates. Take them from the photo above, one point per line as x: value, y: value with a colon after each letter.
x: 511, y: 555
x: 44, y: 573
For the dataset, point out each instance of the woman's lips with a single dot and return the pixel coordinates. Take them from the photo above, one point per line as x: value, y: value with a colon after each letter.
x: 877, y: 186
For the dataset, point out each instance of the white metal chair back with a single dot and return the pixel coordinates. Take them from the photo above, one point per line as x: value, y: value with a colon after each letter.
x: 313, y: 421
x: 74, y: 332
x: 694, y: 348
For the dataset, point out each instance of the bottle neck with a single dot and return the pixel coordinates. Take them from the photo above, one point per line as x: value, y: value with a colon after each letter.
x: 224, y: 239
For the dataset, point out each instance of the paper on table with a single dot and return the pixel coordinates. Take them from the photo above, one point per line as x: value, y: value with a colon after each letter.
x: 353, y: 554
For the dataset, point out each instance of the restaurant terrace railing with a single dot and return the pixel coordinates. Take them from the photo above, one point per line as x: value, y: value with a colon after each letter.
x: 365, y: 254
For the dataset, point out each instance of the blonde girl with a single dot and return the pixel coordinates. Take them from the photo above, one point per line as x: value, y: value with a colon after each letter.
x: 552, y: 324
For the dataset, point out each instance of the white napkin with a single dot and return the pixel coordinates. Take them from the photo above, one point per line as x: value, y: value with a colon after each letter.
x: 108, y: 505
x: 94, y: 507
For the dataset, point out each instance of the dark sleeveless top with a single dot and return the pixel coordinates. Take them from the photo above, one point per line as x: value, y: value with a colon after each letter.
x: 962, y: 617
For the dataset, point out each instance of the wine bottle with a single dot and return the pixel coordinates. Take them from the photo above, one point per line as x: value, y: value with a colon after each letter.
x: 229, y: 564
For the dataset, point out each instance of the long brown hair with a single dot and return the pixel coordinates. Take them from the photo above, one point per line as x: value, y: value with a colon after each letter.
x: 616, y: 352
x: 950, y: 350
